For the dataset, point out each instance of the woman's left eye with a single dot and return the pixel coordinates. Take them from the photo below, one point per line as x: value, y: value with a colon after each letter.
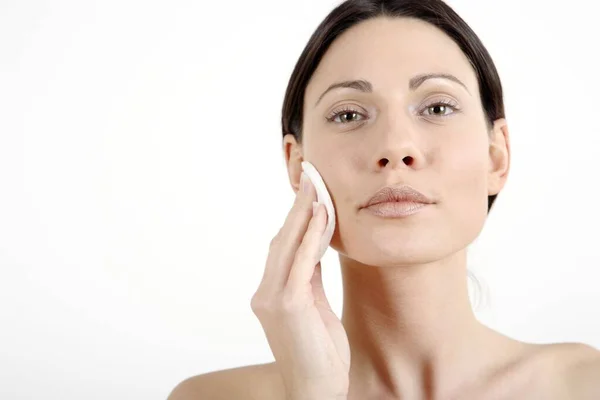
x: 440, y: 109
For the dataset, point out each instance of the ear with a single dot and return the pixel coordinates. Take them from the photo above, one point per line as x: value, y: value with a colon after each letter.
x: 292, y: 152
x: 499, y: 157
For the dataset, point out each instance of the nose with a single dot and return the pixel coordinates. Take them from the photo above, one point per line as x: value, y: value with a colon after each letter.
x: 398, y: 147
x: 391, y: 163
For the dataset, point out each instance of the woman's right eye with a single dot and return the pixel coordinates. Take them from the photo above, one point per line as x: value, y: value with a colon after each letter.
x: 345, y: 116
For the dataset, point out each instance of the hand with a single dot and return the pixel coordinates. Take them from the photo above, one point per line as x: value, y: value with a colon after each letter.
x: 307, y: 338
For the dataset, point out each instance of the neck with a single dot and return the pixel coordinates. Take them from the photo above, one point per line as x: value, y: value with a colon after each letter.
x: 412, y: 330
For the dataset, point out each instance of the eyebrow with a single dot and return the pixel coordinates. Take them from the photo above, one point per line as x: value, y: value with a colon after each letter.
x: 367, y: 87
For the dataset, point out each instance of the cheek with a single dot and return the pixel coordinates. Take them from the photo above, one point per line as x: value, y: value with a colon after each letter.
x: 464, y: 175
x: 319, y: 145
x: 464, y: 165
x: 338, y: 158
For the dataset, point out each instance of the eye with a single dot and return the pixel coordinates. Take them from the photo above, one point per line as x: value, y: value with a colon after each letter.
x: 441, y: 108
x: 345, y: 116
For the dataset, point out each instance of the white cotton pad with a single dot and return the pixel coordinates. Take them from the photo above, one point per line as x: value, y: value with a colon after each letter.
x: 323, y: 197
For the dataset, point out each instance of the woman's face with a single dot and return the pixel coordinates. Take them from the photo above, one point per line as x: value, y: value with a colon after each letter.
x: 396, y: 132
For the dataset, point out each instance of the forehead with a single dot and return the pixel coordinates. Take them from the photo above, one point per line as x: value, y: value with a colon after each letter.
x: 388, y: 52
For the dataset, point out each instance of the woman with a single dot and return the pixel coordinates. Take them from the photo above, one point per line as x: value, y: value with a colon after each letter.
x: 397, y: 98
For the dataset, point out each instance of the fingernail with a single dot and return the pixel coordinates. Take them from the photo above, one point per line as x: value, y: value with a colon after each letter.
x: 315, y: 206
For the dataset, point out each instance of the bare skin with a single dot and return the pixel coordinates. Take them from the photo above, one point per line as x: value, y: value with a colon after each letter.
x: 549, y: 372
x: 407, y: 314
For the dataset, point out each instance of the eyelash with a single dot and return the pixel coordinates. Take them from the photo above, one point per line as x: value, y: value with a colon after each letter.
x: 347, y: 109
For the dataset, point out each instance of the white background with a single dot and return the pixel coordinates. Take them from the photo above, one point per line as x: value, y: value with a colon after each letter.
x: 142, y: 178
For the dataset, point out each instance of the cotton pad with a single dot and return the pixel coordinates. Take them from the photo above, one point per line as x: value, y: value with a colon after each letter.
x: 323, y: 197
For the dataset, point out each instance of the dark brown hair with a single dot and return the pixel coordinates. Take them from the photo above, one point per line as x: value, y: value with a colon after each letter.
x: 352, y: 12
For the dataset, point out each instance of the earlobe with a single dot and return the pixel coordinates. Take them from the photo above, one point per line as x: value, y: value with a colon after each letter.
x: 499, y: 157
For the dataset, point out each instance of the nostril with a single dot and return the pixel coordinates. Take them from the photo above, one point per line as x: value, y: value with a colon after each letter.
x: 407, y: 160
x: 383, y: 162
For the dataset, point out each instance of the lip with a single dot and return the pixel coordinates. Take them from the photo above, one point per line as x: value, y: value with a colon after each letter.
x: 396, y: 209
x: 398, y: 193
x: 397, y: 201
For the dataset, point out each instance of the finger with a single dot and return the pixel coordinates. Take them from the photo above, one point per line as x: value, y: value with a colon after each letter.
x: 318, y: 290
x: 284, y: 246
x: 329, y: 317
x: 305, y: 260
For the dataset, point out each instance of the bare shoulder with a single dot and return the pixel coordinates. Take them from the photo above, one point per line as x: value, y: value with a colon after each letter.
x: 252, y: 382
x: 554, y: 371
x: 569, y: 369
x: 581, y: 374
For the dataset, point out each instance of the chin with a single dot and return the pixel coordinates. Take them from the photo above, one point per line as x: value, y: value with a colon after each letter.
x: 390, y: 252
x: 388, y: 246
x: 399, y: 254
x: 410, y: 241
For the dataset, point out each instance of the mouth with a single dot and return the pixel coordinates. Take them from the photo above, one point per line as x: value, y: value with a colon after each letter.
x: 398, y: 193
x: 397, y: 201
x: 396, y: 209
